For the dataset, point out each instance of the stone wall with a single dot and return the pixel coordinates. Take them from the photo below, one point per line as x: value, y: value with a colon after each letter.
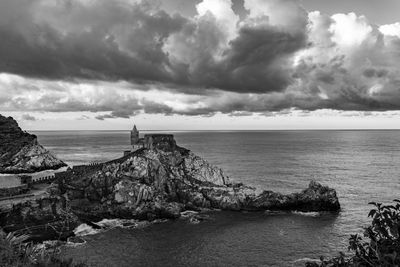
x: 164, y: 142
x: 78, y: 170
x: 86, y: 168
x: 13, y: 191
x: 43, y: 179
x: 63, y: 175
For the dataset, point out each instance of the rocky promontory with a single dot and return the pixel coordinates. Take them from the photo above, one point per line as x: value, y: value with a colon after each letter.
x: 20, y: 151
x: 150, y: 184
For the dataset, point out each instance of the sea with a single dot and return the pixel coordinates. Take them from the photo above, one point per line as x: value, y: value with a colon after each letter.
x: 363, y: 166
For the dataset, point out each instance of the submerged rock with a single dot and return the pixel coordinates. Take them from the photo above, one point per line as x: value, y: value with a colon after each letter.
x: 20, y: 151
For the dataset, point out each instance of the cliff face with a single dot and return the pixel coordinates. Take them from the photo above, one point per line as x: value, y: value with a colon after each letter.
x: 156, y: 183
x: 46, y: 218
x: 148, y: 184
x: 20, y: 151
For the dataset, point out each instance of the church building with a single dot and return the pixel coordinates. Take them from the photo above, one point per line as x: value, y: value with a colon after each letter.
x: 136, y: 141
x: 164, y: 142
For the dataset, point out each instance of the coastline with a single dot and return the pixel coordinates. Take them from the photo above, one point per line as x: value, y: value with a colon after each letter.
x: 156, y: 182
x: 336, y: 224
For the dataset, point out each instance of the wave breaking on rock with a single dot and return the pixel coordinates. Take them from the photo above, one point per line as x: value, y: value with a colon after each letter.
x: 150, y: 184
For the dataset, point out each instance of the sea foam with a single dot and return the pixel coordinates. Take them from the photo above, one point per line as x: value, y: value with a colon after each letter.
x: 108, y: 224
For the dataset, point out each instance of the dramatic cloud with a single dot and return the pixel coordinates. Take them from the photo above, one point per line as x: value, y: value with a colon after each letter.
x: 137, y: 42
x: 120, y: 58
x: 350, y: 66
x: 85, y: 39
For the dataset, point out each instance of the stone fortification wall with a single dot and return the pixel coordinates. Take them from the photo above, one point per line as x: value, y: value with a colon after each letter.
x: 43, y: 179
x: 87, y: 168
x: 164, y: 142
x: 79, y: 170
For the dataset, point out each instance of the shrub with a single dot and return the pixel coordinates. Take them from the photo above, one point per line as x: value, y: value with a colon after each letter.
x: 380, y: 244
x: 14, y: 252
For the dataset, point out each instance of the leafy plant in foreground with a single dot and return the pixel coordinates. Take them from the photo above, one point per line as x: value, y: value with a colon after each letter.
x: 14, y: 252
x: 380, y: 244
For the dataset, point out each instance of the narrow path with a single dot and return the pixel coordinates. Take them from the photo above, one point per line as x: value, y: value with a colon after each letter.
x: 37, y: 192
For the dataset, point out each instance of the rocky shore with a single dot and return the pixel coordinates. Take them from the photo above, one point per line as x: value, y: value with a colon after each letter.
x: 159, y: 181
x: 149, y: 184
x: 20, y: 151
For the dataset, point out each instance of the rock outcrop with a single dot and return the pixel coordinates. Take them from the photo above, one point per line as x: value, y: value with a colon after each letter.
x: 46, y: 218
x: 20, y: 151
x: 150, y: 184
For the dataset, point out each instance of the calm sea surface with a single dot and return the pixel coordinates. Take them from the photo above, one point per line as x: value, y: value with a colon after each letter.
x: 362, y: 166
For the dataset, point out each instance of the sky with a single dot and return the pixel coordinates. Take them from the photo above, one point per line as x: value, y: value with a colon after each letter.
x: 200, y: 64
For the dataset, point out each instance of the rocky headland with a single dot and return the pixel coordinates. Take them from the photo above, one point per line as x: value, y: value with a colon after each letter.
x: 149, y: 184
x: 20, y: 151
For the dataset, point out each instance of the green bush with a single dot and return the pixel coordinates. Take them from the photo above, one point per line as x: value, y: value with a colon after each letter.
x: 380, y: 244
x: 14, y: 252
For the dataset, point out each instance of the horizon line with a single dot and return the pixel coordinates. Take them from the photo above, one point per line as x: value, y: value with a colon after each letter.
x: 224, y: 130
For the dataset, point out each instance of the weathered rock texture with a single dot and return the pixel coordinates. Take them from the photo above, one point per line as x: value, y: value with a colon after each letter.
x: 47, y: 218
x: 21, y: 152
x: 148, y: 184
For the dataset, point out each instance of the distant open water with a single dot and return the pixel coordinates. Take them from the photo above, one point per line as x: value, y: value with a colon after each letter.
x: 362, y: 166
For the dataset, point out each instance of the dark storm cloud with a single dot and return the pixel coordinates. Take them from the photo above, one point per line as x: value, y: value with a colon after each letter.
x: 115, y: 41
x: 121, y: 58
x: 34, y: 47
x: 372, y: 73
x: 256, y: 61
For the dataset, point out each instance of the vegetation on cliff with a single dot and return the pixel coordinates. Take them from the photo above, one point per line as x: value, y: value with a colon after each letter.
x: 380, y: 244
x: 45, y: 218
x: 149, y: 184
x: 21, y: 152
x: 15, y: 252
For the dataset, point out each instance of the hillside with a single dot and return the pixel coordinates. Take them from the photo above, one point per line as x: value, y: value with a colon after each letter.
x: 20, y: 151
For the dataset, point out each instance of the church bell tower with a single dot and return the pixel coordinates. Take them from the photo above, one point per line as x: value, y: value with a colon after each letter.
x: 134, y: 136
